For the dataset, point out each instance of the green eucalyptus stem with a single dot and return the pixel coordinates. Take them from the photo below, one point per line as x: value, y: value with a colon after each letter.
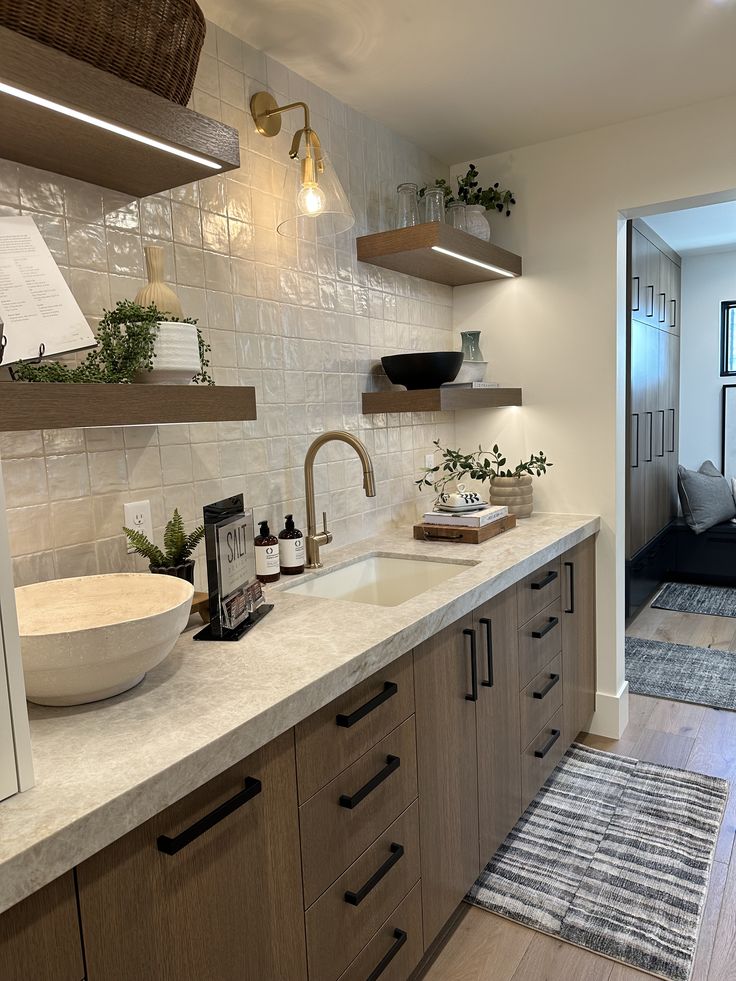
x: 482, y: 465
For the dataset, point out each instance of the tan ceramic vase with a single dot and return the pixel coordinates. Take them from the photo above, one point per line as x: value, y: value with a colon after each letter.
x: 156, y: 291
x: 515, y: 493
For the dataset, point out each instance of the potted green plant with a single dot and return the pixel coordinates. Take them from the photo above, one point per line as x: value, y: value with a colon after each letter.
x: 125, y: 352
x: 509, y: 487
x: 174, y: 559
x: 477, y: 200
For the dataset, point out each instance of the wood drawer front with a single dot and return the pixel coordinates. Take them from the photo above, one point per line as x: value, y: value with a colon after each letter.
x: 535, y: 770
x: 539, y: 641
x: 333, y: 836
x: 324, y: 748
x: 538, y: 590
x: 404, y: 954
x: 540, y: 700
x: 337, y: 930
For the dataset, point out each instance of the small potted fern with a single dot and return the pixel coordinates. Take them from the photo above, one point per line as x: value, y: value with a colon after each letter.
x: 175, y: 557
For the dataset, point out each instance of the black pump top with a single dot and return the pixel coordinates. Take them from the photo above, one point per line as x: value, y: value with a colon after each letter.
x: 265, y: 530
x: 289, y: 522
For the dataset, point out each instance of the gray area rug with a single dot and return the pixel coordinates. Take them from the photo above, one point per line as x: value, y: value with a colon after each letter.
x: 613, y: 855
x: 701, y: 675
x: 717, y: 601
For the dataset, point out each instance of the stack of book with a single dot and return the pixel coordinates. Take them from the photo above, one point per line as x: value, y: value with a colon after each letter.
x: 466, y: 519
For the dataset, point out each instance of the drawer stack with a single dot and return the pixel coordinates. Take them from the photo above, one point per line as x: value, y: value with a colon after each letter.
x: 359, y: 821
x: 540, y: 677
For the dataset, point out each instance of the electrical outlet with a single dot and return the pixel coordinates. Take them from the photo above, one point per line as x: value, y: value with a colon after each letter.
x: 429, y: 461
x: 137, y: 515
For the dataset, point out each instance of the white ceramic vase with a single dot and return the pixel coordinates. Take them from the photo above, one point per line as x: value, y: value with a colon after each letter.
x: 176, y: 355
x: 476, y: 222
x: 515, y: 493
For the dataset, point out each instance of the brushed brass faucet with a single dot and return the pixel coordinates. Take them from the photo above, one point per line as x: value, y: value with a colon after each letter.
x: 314, y: 539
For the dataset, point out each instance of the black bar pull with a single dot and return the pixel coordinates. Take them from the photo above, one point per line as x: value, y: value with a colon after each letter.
x: 553, y: 679
x: 473, y: 696
x: 488, y: 624
x: 671, y: 448
x: 570, y: 566
x: 400, y: 938
x: 544, y: 581
x: 662, y: 308
x: 673, y: 307
x: 660, y: 412
x: 549, y: 625
x: 170, y: 846
x: 650, y: 301
x: 389, y: 690
x: 648, y: 458
x: 634, y: 293
x: 635, y: 440
x: 356, y: 898
x: 553, y: 737
x: 392, y: 763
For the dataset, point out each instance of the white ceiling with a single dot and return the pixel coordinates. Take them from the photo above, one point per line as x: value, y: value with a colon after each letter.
x: 465, y: 79
x: 711, y: 228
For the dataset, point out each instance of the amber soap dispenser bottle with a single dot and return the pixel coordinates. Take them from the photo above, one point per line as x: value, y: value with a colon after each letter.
x: 291, y: 548
x: 267, y: 555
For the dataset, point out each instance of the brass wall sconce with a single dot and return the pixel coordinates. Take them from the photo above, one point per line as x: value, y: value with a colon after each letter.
x: 314, y: 203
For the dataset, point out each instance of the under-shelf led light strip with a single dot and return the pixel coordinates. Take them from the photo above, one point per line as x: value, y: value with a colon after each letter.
x: 84, y: 117
x: 474, y: 262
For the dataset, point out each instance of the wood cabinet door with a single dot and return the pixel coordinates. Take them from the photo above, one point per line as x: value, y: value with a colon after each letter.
x: 653, y: 457
x: 447, y: 766
x: 638, y: 274
x: 39, y: 938
x: 578, y: 638
x: 497, y: 715
x: 638, y: 435
x: 669, y: 359
x: 227, y: 905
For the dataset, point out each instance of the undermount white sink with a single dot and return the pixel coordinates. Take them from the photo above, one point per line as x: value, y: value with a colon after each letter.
x: 380, y: 580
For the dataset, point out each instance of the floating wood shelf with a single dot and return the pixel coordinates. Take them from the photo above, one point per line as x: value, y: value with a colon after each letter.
x: 41, y: 405
x: 439, y: 399
x: 42, y: 137
x: 417, y: 251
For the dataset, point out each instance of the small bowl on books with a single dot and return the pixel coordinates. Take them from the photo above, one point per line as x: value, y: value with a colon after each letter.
x: 471, y: 371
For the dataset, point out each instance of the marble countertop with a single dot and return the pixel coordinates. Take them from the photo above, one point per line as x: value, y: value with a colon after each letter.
x: 105, y: 768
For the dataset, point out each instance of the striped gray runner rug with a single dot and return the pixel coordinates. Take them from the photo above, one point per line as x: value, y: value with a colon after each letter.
x: 613, y: 855
x: 717, y: 601
x: 701, y: 675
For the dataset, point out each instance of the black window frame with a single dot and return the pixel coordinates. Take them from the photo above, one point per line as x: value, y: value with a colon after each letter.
x: 726, y: 307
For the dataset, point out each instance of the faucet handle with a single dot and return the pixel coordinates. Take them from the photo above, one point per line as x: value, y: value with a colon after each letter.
x: 325, y: 532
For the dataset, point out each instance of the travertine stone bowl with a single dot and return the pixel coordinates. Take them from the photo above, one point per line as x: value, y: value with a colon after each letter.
x: 516, y: 493
x: 89, y: 638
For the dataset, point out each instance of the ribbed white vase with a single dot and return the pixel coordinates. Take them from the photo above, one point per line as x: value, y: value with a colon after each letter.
x: 176, y: 351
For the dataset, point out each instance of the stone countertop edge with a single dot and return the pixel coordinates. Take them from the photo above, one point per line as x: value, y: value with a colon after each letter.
x: 51, y: 828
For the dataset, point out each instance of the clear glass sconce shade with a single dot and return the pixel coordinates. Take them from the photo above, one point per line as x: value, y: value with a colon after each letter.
x: 316, y: 209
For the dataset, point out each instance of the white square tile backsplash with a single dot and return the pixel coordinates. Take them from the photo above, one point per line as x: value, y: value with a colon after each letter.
x: 305, y: 324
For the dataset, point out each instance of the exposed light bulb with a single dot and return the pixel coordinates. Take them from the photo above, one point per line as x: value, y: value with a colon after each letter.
x: 311, y: 199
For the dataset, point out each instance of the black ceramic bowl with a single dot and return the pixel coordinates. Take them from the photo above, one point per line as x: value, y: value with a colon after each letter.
x: 425, y: 370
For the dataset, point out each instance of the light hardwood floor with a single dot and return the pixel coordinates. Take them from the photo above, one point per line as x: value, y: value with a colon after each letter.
x: 485, y: 947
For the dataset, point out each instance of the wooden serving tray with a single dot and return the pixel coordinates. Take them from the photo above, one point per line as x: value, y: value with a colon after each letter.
x: 467, y: 536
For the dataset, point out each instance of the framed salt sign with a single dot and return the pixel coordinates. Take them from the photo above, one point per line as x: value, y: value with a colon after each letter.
x: 235, y: 596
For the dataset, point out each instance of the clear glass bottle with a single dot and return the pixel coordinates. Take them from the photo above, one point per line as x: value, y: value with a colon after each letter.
x: 407, y: 210
x: 434, y: 204
x: 456, y: 215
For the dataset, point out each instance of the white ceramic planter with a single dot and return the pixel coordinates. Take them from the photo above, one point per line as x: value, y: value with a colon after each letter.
x: 176, y: 351
x: 92, y: 637
x: 515, y: 493
x: 476, y: 222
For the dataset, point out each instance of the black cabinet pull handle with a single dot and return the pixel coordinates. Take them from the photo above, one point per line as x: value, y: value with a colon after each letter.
x: 648, y: 458
x: 356, y: 898
x: 661, y: 412
x: 553, y: 737
x: 662, y: 308
x: 553, y: 679
x: 650, y: 301
x: 549, y: 625
x: 170, y: 846
x: 473, y: 696
x: 400, y: 938
x: 671, y: 448
x: 635, y: 440
x: 392, y: 763
x: 488, y: 624
x: 673, y: 304
x: 544, y: 581
x: 634, y: 302
x: 389, y: 690
x: 570, y: 566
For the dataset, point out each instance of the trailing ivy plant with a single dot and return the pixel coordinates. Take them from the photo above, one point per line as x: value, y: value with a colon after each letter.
x: 126, y: 339
x: 469, y: 191
x: 483, y: 465
x: 177, y: 546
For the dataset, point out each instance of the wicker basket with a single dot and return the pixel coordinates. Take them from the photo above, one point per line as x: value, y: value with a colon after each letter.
x: 152, y: 43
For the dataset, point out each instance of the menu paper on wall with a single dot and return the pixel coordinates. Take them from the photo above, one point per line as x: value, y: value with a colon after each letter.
x: 36, y: 305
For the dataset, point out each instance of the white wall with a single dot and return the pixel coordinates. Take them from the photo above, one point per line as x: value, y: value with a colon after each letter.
x: 559, y: 330
x: 707, y: 280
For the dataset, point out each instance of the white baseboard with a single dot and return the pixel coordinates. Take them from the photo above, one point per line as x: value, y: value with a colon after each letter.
x: 611, y: 713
